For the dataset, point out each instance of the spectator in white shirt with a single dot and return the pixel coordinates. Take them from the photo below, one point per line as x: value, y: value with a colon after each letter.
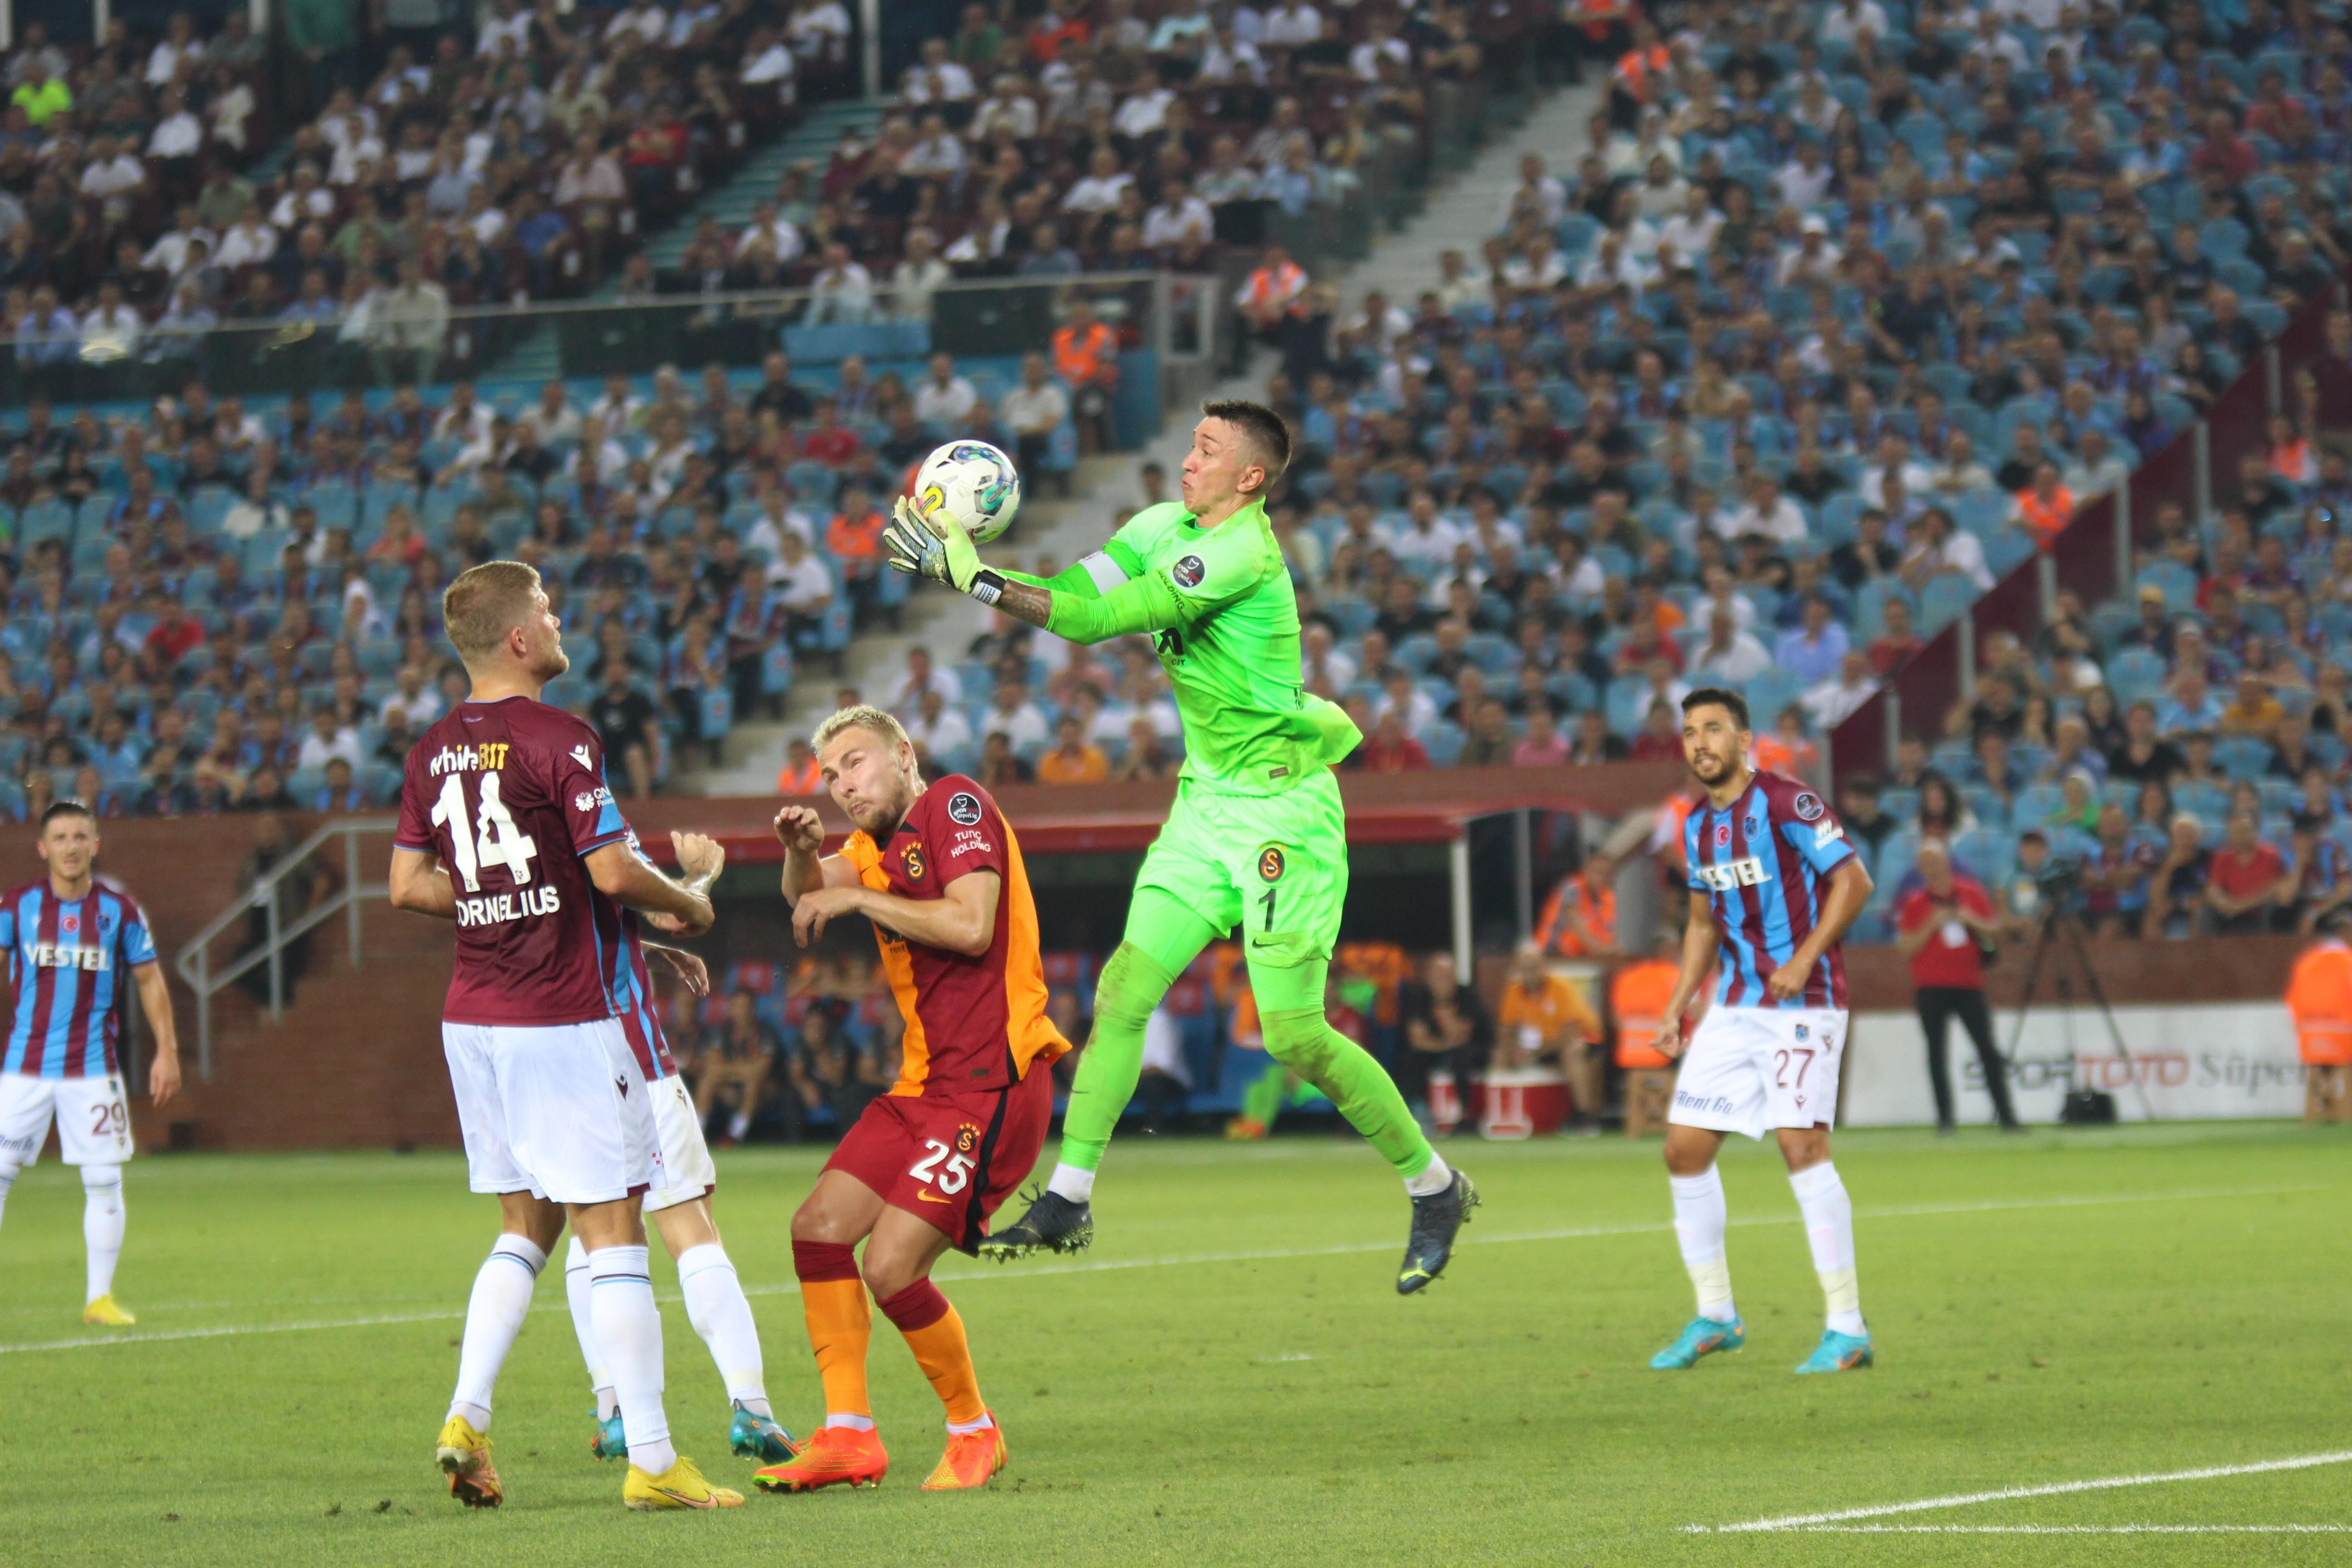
x: 1414, y: 709
x: 1692, y: 231
x: 937, y: 78
x: 1959, y: 473
x: 767, y: 223
x: 553, y: 420
x: 1829, y: 703
x: 648, y: 21
x: 1013, y: 716
x: 511, y: 24
x: 1292, y: 25
x: 769, y: 60
x: 178, y: 134
x: 1099, y: 192
x: 1767, y: 512
x: 249, y: 243
x: 1144, y: 111
x: 1845, y: 20
x: 1033, y: 411
x: 947, y: 399
x: 842, y: 294
x: 1009, y: 105
x: 1813, y: 259
x: 2095, y: 469
x: 306, y: 201
x: 1426, y: 536
x: 923, y: 675
x: 111, y: 331
x: 1179, y: 216
x: 1381, y: 42
x: 937, y: 152
x: 935, y: 727
x: 1939, y: 548
x: 1538, y: 195
x: 917, y: 278
x: 1729, y: 654
x: 111, y: 170
x: 798, y: 581
x: 1804, y: 181
x: 179, y: 39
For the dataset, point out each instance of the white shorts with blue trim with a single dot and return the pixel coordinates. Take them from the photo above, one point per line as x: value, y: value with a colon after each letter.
x: 1753, y: 1069
x: 92, y: 1115
x: 687, y: 1170
x: 558, y: 1110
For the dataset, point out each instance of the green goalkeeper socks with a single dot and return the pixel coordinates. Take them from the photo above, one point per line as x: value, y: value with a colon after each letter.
x: 1132, y: 984
x: 1305, y: 1042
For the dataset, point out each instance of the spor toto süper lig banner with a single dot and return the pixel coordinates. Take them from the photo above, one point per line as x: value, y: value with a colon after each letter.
x: 2215, y: 1059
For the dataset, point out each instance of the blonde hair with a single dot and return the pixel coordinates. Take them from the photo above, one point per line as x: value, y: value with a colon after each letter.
x: 485, y: 603
x: 866, y: 717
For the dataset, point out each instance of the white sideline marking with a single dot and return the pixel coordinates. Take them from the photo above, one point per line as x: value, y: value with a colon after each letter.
x: 2075, y: 1529
x: 1034, y: 1271
x: 1810, y: 1521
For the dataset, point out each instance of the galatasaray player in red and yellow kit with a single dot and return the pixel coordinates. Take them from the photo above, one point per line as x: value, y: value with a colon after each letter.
x: 937, y: 870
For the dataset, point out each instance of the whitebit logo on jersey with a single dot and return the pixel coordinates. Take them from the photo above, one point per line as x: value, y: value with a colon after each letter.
x: 488, y: 755
x: 964, y: 808
x: 580, y: 755
x: 1748, y: 871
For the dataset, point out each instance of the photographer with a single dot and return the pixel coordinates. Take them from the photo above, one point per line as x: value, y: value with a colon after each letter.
x: 1945, y: 927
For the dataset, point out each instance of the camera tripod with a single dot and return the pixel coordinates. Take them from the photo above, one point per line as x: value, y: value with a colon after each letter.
x: 2062, y: 925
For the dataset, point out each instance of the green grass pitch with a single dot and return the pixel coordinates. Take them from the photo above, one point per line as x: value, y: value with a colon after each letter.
x: 1228, y: 1377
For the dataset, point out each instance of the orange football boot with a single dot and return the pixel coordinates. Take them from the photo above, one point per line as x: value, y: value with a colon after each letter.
x: 834, y: 1454
x: 971, y: 1458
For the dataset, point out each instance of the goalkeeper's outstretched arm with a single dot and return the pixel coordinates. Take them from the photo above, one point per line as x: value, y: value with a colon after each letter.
x: 1071, y: 605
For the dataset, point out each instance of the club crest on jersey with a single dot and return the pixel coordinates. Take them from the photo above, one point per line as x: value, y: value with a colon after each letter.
x: 1804, y: 1034
x: 1189, y: 572
x: 1271, y: 863
x: 1722, y: 834
x: 913, y: 856
x: 967, y: 1138
x: 963, y: 808
x: 1808, y: 806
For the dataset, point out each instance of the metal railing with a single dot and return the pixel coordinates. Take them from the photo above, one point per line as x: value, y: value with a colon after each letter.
x: 194, y: 962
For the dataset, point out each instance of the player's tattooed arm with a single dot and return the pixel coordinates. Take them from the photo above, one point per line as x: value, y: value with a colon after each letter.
x: 1026, y: 602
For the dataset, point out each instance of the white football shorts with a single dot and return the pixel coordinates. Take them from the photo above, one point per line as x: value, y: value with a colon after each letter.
x: 1752, y: 1070
x: 93, y: 1119
x: 558, y: 1110
x: 686, y: 1157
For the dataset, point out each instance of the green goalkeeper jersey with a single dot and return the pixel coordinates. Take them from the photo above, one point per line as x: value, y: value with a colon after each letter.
x: 1226, y: 623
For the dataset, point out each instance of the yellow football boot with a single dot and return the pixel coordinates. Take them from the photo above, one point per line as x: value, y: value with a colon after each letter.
x: 106, y: 1313
x: 680, y: 1486
x: 464, y: 1456
x: 971, y: 1459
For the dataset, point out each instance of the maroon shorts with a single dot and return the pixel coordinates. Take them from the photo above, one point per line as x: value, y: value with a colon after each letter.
x: 950, y: 1159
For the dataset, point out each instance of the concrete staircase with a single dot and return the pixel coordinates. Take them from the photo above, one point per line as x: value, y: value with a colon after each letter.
x: 535, y: 358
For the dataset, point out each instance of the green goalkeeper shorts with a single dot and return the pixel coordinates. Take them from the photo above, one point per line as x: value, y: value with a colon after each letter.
x: 1275, y: 865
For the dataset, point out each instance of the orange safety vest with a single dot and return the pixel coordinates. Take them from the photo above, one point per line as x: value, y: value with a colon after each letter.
x: 1554, y: 934
x: 1284, y: 285
x: 2046, y: 519
x: 807, y: 780
x: 1638, y: 994
x: 2319, y: 996
x: 1091, y: 358
x: 1635, y: 66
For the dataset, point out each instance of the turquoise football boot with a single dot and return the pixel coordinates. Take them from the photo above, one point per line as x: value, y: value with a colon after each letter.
x: 1701, y: 1336
x: 758, y: 1437
x: 612, y: 1442
x: 1838, y: 1352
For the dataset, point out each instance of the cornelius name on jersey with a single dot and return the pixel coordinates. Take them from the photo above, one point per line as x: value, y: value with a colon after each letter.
x: 495, y: 840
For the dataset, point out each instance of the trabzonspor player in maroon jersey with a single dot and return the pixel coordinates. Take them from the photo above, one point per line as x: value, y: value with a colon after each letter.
x: 1774, y: 886
x: 508, y: 829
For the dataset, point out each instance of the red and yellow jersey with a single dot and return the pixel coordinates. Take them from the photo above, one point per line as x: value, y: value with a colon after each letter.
x: 972, y: 1022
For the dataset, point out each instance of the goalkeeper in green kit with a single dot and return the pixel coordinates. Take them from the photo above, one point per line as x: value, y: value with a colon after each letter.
x: 1256, y: 838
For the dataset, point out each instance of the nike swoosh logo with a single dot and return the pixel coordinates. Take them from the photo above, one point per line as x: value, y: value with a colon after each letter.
x: 929, y: 1196
x: 1255, y: 942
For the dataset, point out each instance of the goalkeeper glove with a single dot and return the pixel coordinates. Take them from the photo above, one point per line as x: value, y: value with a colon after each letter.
x: 940, y: 551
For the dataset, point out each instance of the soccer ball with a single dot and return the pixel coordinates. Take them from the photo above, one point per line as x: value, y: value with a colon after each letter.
x: 971, y: 484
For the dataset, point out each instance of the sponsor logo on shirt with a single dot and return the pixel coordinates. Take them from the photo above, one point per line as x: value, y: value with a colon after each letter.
x: 1827, y: 834
x: 968, y: 842
x: 1188, y: 573
x: 964, y: 808
x: 1748, y: 871
x: 53, y: 955
x: 589, y: 800
x: 1808, y: 806
x: 488, y: 755
x: 580, y: 755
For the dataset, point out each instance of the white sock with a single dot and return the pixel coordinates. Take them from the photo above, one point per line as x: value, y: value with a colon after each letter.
x: 1071, y: 1182
x: 716, y: 1307
x: 494, y: 1316
x: 575, y: 1291
x: 101, y: 1225
x: 1700, y: 1218
x: 739, y: 1124
x: 1828, y: 1231
x: 855, y: 1423
x: 1435, y: 1178
x: 981, y: 1424
x: 628, y: 1327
